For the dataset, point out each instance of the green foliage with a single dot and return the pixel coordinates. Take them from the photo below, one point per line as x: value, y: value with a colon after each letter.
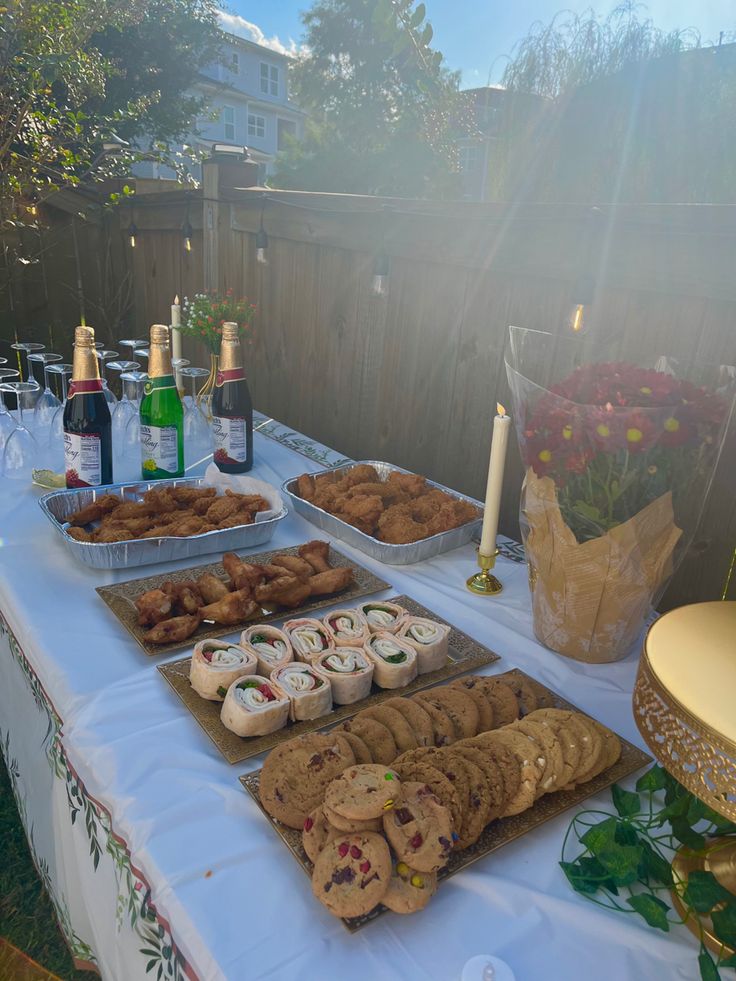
x: 383, y: 106
x: 77, y: 73
x: 628, y: 852
x: 575, y: 49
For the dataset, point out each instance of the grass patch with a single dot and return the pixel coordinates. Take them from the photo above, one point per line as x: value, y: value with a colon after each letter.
x: 27, y: 918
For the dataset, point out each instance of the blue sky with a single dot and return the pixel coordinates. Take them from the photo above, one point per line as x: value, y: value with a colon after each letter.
x: 474, y: 35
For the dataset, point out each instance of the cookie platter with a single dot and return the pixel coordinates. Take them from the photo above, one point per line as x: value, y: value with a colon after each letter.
x: 120, y: 598
x: 500, y: 831
x: 465, y: 654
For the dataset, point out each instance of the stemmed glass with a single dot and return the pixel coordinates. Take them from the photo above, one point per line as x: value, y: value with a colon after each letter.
x: 124, y: 409
x: 196, y: 428
x: 132, y: 436
x: 139, y: 342
x: 56, y: 432
x: 103, y: 357
x: 20, y: 455
x: 30, y: 394
x: 7, y: 422
x: 47, y: 403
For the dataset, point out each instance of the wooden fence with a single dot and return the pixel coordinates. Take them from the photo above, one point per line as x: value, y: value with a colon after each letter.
x: 413, y: 377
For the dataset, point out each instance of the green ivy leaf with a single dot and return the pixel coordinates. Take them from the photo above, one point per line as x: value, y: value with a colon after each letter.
x: 626, y: 803
x: 578, y: 879
x: 708, y: 969
x: 625, y: 834
x: 704, y: 891
x: 599, y: 835
x: 595, y: 872
x: 652, y: 909
x: 621, y: 861
x: 684, y: 833
x: 653, y: 866
x: 728, y: 962
x: 724, y: 923
x: 695, y: 811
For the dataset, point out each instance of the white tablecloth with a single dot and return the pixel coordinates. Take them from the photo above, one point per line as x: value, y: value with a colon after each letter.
x: 127, y: 803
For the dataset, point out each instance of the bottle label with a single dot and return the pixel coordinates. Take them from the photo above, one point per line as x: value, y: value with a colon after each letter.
x: 83, y: 459
x: 79, y: 386
x: 159, y: 382
x: 159, y: 448
x: 229, y: 375
x: 229, y: 437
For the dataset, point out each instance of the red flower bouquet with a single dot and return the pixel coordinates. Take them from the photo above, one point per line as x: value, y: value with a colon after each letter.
x: 619, y: 459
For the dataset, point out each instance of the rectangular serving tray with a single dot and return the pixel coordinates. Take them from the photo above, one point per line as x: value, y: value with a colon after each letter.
x: 427, y: 548
x: 145, y: 551
x: 120, y: 598
x: 465, y: 655
x: 498, y: 833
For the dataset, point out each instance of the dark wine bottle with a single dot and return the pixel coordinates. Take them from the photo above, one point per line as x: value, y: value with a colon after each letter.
x: 87, y: 426
x: 232, y: 408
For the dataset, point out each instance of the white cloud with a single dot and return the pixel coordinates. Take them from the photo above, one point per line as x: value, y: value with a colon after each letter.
x: 235, y: 24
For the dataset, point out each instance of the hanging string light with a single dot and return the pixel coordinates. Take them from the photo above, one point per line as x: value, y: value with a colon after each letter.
x: 32, y: 204
x: 132, y: 234
x: 381, y: 266
x: 262, y: 238
x: 187, y: 233
x: 579, y: 316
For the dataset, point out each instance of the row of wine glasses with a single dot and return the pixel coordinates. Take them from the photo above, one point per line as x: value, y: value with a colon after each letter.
x: 37, y: 424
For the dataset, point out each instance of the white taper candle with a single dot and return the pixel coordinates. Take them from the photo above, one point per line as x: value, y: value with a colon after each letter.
x: 176, y: 335
x: 496, y: 463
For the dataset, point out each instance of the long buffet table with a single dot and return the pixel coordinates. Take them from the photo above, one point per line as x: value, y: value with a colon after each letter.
x: 160, y: 865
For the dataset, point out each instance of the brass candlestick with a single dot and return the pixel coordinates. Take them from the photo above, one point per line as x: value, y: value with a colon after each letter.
x: 483, y: 583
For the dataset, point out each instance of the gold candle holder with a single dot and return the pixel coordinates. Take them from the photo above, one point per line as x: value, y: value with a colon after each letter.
x: 483, y: 583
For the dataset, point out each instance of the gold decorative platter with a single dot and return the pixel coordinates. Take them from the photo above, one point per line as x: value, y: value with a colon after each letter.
x: 465, y: 654
x: 498, y: 833
x: 120, y: 598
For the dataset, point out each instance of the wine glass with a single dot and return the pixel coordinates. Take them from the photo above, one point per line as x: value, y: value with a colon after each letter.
x: 125, y: 408
x: 103, y: 357
x: 30, y: 395
x: 7, y: 422
x: 20, y: 456
x: 56, y: 431
x: 132, y: 436
x: 139, y: 342
x: 47, y: 403
x: 196, y: 429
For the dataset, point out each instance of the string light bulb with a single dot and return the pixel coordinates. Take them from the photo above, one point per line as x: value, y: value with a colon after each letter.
x: 132, y: 234
x: 262, y: 239
x: 578, y: 319
x: 379, y: 286
x: 576, y: 322
x: 187, y: 232
x: 33, y: 204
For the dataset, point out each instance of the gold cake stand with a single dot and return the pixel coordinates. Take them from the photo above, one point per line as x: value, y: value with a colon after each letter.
x: 685, y: 709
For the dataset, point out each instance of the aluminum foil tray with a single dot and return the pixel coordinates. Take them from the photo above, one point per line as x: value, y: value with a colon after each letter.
x: 146, y: 551
x: 427, y: 548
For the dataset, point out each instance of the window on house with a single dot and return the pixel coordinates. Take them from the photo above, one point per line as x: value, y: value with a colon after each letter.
x: 228, y: 122
x: 269, y: 79
x: 235, y: 63
x: 471, y: 159
x: 256, y: 126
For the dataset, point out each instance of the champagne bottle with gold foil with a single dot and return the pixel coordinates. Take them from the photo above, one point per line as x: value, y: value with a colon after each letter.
x: 232, y: 409
x: 87, y: 427
x: 162, y: 415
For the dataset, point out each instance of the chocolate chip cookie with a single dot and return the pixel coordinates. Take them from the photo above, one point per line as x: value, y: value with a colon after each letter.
x: 419, y: 828
x: 363, y: 791
x: 352, y: 873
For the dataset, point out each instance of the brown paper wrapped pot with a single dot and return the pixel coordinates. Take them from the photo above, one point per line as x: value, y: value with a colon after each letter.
x: 590, y: 600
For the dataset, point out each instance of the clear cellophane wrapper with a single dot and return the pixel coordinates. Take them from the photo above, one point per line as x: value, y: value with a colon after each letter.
x: 619, y: 461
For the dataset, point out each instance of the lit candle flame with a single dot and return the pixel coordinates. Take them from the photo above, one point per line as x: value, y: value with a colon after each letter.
x: 176, y: 300
x: 500, y: 409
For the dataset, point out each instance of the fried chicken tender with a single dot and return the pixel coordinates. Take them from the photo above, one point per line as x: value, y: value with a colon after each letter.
x: 172, y: 631
x: 363, y: 473
x: 188, y: 496
x: 129, y: 510
x: 108, y: 534
x: 153, y: 606
x: 80, y: 534
x: 211, y: 588
x: 236, y: 520
x: 292, y: 563
x: 241, y: 573
x: 95, y: 510
x: 362, y: 512
x: 331, y: 581
x: 397, y: 526
x: 136, y: 526
x: 385, y: 491
x: 412, y: 483
x: 305, y: 486
x: 160, y: 500
x: 452, y: 514
x: 187, y: 527
x: 221, y: 508
x: 317, y: 554
x: 285, y: 590
x: 231, y: 609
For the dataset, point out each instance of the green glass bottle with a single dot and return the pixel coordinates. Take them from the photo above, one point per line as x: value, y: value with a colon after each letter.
x: 162, y: 415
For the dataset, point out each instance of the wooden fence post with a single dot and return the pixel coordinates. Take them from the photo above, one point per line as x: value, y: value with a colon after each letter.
x: 211, y: 224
